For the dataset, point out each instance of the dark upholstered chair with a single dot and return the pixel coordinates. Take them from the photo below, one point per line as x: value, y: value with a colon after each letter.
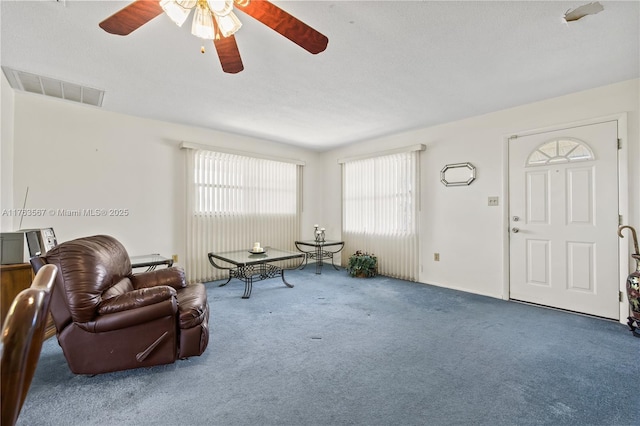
x: 108, y: 318
x: 22, y: 336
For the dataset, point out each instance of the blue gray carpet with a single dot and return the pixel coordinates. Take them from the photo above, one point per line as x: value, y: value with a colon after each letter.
x: 336, y: 350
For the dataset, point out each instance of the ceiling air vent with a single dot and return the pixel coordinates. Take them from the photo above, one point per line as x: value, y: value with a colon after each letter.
x: 28, y: 82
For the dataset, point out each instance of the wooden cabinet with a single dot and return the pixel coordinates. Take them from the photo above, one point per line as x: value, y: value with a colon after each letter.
x: 13, y: 279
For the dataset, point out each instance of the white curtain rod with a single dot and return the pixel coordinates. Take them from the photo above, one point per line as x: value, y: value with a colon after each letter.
x: 191, y: 145
x: 411, y: 148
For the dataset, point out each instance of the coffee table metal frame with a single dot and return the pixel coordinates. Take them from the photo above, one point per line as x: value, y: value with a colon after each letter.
x: 319, y: 252
x: 150, y: 261
x: 249, y: 267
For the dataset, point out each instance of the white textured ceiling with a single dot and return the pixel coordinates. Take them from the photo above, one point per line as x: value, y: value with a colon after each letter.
x: 390, y: 66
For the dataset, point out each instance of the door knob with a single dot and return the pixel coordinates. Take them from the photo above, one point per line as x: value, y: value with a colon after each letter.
x: 515, y: 230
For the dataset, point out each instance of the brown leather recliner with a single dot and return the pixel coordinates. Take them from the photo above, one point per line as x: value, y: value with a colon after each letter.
x: 108, y: 318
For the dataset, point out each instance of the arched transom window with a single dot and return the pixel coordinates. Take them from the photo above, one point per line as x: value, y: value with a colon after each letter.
x: 562, y: 150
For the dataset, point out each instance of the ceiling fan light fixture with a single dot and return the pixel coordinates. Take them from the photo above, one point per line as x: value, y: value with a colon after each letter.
x: 219, y: 27
x: 177, y: 11
x: 220, y: 7
x: 228, y: 24
x: 187, y: 4
x: 202, y: 25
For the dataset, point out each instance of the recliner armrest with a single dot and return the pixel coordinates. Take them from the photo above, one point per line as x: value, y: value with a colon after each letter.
x: 172, y: 277
x: 131, y: 317
x: 136, y: 299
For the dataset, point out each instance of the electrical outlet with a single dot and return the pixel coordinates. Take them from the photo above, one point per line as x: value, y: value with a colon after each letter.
x: 175, y: 258
x: 494, y: 201
x: 436, y: 257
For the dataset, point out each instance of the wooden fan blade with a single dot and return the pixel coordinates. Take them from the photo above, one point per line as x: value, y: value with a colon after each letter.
x: 131, y: 17
x: 229, y: 54
x: 282, y: 22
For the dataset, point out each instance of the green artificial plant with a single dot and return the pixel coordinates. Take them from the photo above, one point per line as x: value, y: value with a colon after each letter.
x: 362, y: 264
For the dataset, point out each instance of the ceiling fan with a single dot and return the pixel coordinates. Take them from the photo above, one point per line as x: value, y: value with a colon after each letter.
x: 215, y: 20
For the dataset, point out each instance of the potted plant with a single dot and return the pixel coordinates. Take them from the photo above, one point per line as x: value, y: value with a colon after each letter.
x: 362, y: 264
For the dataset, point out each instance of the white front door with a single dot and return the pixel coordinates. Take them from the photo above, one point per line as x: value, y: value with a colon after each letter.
x: 563, y: 214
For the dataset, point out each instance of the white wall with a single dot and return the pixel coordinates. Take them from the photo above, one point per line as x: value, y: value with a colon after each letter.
x: 73, y: 156
x: 456, y: 221
x: 6, y: 152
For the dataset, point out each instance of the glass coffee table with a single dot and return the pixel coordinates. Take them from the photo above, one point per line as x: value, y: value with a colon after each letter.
x: 249, y: 267
x: 150, y: 261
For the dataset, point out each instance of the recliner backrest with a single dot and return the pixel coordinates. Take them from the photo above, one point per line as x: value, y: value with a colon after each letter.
x: 88, y: 267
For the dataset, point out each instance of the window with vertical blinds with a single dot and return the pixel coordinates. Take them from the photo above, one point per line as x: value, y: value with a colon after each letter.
x: 234, y: 201
x: 230, y: 184
x: 380, y: 205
